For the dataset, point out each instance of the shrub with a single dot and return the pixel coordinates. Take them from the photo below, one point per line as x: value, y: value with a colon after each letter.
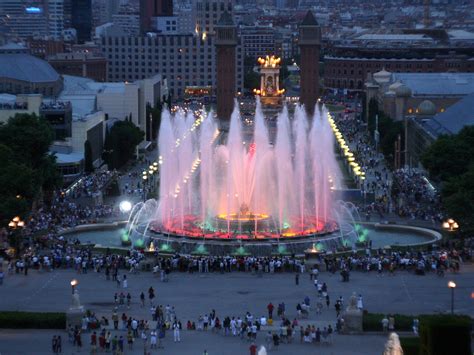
x: 33, y: 320
x: 410, y: 346
x: 373, y: 322
x: 445, y: 335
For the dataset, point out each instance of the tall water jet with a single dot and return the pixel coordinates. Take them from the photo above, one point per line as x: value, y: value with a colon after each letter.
x: 245, y: 188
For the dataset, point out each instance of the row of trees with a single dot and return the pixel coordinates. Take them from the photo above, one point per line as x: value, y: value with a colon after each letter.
x: 121, y: 143
x: 450, y: 162
x: 389, y: 130
x: 27, y: 171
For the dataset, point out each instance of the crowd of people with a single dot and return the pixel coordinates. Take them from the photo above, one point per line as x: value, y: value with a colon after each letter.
x: 405, y: 192
x: 89, y: 185
x: 417, y: 198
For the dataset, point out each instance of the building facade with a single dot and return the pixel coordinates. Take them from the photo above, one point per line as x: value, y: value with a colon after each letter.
x: 41, y: 18
x: 350, y: 73
x: 258, y: 41
x: 82, y: 19
x: 208, y: 12
x: 183, y: 60
x: 87, y: 65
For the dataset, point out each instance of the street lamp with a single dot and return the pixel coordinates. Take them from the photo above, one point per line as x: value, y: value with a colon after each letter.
x: 125, y: 206
x: 452, y: 286
x: 450, y: 225
x: 74, y: 283
x: 145, y: 178
x: 16, y: 224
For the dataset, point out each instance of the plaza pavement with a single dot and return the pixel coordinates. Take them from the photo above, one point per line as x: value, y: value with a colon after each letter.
x: 230, y: 294
x: 38, y: 342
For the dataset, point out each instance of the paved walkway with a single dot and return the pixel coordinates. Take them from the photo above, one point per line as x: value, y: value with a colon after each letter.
x: 38, y: 342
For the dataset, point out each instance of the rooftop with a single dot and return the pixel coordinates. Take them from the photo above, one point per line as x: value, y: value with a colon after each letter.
x: 25, y: 67
x: 437, y: 84
x: 394, y: 37
x: 309, y: 19
x: 454, y: 119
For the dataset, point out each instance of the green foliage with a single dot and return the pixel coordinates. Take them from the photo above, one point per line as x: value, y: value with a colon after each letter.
x: 88, y: 164
x: 449, y: 156
x: 450, y: 161
x: 373, y: 322
x: 27, y: 170
x: 410, y: 345
x: 32, y: 320
x: 120, y: 143
x: 251, y: 80
x: 373, y: 111
x: 389, y: 130
x: 445, y: 335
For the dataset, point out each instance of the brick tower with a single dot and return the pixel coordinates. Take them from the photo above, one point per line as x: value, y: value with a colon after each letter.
x: 226, y: 42
x: 310, y: 44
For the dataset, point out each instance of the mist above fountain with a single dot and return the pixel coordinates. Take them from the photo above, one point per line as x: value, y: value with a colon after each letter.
x: 256, y: 185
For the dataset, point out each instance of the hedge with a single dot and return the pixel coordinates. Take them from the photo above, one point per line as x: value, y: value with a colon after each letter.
x: 372, y: 322
x: 33, y: 320
x: 410, y: 346
x: 445, y: 335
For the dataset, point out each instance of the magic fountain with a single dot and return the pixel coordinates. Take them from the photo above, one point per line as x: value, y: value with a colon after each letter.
x: 265, y: 187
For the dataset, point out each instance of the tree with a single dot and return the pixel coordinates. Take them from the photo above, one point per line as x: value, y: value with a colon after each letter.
x: 27, y: 171
x: 88, y: 162
x: 121, y: 143
x: 449, y: 156
x: 251, y: 81
x: 450, y: 161
x: 372, y: 112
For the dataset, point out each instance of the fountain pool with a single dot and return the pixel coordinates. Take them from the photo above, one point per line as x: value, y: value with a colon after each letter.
x: 380, y: 236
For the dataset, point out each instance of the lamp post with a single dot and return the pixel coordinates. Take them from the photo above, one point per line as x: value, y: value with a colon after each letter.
x: 145, y: 179
x: 450, y: 225
x: 452, y: 286
x: 74, y: 283
x: 16, y: 225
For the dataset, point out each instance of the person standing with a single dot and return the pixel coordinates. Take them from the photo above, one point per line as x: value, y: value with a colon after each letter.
x: 59, y: 345
x: 55, y: 344
x: 130, y: 339
x: 94, y: 343
x: 142, y: 300
x: 151, y: 295
x: 270, y: 308
x: 176, y: 331
x: 120, y: 344
x: 253, y: 349
x: 153, y: 339
x: 297, y: 279
x: 125, y: 282
x: 115, y: 319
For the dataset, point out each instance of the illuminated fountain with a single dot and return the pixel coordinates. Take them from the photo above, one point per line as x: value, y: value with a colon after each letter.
x: 244, y: 189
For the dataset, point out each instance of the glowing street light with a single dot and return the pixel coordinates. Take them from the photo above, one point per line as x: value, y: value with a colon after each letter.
x: 125, y: 206
x: 450, y: 225
x: 74, y: 283
x: 452, y: 286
